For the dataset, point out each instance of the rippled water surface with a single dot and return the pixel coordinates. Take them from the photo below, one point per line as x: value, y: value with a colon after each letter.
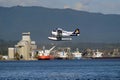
x: 60, y: 70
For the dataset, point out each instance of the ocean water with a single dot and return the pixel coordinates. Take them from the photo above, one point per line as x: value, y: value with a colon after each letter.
x: 61, y: 70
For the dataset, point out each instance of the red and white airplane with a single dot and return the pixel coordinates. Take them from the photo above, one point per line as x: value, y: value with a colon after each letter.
x: 62, y: 35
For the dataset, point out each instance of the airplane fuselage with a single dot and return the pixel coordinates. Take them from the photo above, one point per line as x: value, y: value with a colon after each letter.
x: 63, y: 34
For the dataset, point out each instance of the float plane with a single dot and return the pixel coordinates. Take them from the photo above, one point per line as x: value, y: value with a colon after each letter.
x: 59, y: 34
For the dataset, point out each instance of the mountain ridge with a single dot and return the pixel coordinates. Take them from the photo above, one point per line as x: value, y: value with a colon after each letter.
x: 94, y: 27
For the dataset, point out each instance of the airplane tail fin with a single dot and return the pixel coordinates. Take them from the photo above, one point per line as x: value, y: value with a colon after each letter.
x: 76, y: 32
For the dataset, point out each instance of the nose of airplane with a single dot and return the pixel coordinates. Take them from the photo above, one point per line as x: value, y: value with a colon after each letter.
x: 52, y: 32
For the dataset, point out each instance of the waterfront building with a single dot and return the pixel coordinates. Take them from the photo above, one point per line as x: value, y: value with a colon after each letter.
x: 11, y: 52
x: 24, y: 48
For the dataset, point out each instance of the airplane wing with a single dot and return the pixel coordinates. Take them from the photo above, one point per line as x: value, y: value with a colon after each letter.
x: 60, y: 35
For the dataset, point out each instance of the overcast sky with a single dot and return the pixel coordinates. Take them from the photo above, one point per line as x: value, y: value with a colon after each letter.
x: 102, y: 6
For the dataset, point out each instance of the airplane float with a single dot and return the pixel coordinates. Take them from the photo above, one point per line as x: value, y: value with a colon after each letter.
x: 61, y: 35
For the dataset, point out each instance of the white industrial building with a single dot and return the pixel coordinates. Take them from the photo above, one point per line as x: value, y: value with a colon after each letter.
x: 11, y: 53
x: 23, y: 49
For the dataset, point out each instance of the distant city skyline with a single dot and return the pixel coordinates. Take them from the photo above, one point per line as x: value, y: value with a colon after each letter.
x: 99, y: 6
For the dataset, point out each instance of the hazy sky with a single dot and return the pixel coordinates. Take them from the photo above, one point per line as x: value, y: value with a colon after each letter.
x: 102, y: 6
